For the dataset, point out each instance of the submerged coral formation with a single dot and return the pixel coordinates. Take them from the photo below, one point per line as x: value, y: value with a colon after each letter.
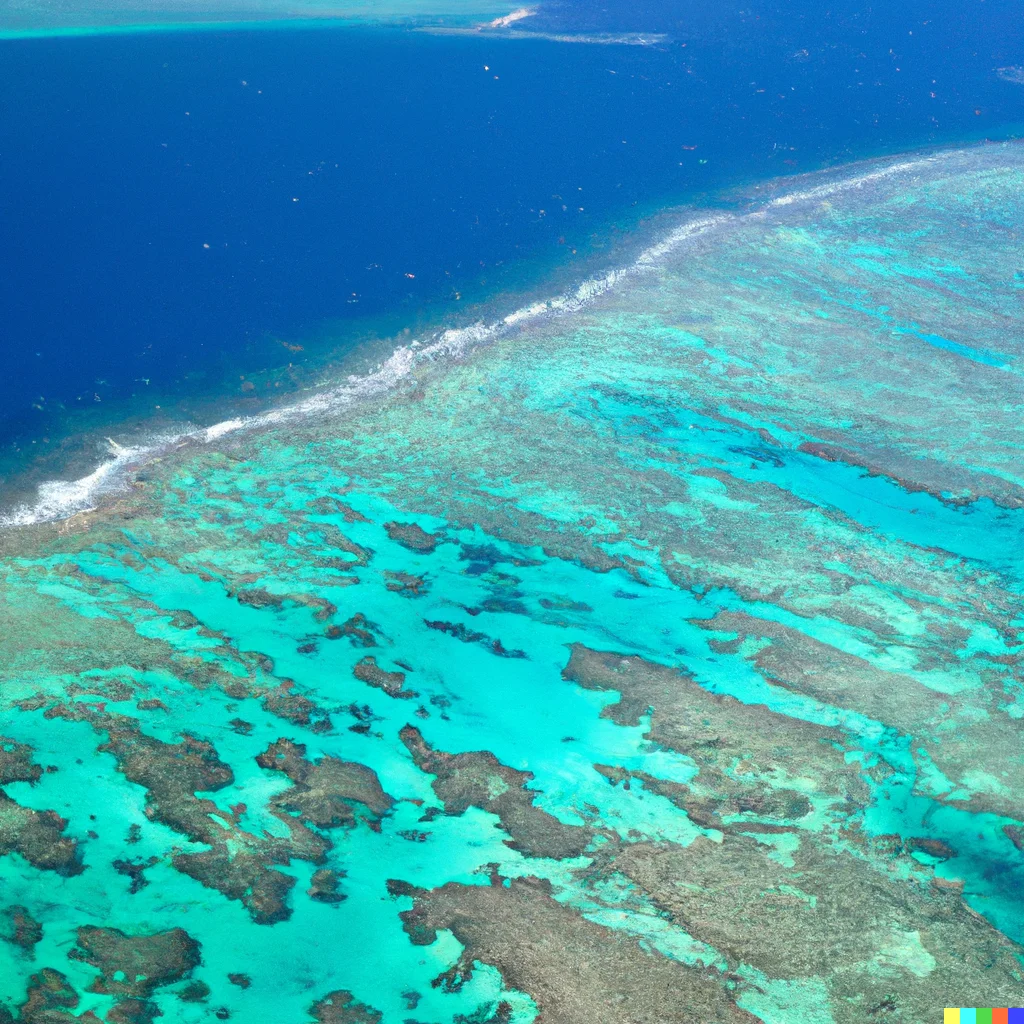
x: 659, y: 660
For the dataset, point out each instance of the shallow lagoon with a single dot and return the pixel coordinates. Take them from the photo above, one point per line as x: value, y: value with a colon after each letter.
x: 652, y: 653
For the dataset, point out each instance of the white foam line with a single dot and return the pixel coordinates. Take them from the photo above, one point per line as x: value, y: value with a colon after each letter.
x: 651, y: 256
x: 510, y: 19
x: 60, y: 499
x: 220, y: 429
x: 847, y: 184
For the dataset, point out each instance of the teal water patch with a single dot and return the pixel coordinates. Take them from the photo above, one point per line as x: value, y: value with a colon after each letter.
x: 71, y: 31
x: 38, y: 21
x: 979, y: 355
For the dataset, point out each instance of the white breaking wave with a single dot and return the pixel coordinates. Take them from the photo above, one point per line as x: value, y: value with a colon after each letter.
x: 654, y: 254
x: 1014, y: 73
x: 847, y: 184
x: 220, y: 429
x: 58, y: 500
x: 511, y: 19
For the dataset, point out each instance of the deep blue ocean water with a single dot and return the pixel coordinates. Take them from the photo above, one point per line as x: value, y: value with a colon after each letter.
x: 174, y: 205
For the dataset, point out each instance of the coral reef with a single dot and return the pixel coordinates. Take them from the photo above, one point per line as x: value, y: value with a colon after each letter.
x: 659, y: 660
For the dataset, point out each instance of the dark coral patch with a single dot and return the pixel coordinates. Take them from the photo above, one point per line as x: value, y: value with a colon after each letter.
x: 325, y: 793
x: 413, y: 537
x: 392, y: 683
x: 20, y: 928
x: 49, y: 1000
x: 38, y: 837
x: 343, y: 1008
x: 16, y: 764
x: 324, y: 886
x: 487, y: 556
x: 286, y: 702
x: 358, y: 629
x: 479, y: 779
x: 194, y: 992
x: 471, y: 636
x: 405, y: 583
x: 135, y: 870
x: 328, y: 505
x: 136, y: 965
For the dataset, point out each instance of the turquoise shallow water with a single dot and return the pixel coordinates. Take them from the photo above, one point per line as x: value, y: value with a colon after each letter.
x: 30, y: 19
x: 652, y: 654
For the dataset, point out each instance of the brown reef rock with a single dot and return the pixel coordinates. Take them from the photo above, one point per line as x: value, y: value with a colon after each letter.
x: 578, y: 972
x: 479, y: 779
x: 326, y: 793
x: 343, y: 1008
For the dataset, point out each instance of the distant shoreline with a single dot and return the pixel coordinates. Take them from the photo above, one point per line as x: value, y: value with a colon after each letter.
x: 398, y: 14
x: 313, y: 22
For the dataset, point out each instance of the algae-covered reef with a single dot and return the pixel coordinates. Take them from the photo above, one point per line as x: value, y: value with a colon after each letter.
x: 659, y: 660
